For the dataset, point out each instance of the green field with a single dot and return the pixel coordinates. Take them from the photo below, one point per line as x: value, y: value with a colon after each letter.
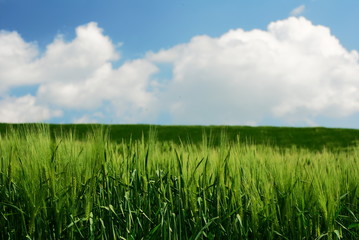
x: 173, y: 182
x: 316, y: 138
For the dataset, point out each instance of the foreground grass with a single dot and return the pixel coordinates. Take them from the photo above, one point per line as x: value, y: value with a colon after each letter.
x: 63, y: 188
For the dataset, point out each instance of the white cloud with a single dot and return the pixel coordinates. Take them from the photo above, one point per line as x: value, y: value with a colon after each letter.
x: 125, y: 88
x: 17, y: 65
x: 78, y: 75
x: 129, y: 91
x: 298, y: 11
x: 77, y: 60
x: 24, y: 109
x: 83, y: 77
x: 294, y: 71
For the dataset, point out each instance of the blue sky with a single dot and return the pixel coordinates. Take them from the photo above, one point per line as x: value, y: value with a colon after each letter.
x: 282, y: 62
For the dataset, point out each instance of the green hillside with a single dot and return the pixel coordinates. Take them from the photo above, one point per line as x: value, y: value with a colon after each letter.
x: 313, y: 138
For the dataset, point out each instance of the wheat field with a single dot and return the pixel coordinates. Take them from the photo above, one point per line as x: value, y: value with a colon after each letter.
x: 60, y: 187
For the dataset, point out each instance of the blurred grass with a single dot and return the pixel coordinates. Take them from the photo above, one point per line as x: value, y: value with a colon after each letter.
x: 312, y: 138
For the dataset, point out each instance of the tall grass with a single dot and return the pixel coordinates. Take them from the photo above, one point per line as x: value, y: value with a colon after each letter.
x: 63, y: 188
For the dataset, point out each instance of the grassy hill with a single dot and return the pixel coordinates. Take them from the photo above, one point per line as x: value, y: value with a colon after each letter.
x: 313, y: 138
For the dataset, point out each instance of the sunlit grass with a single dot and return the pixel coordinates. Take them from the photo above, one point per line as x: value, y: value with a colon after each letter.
x: 63, y: 188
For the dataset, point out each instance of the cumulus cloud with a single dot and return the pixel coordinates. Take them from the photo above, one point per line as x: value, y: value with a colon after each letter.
x: 298, y: 11
x: 79, y: 59
x: 83, y: 78
x: 293, y: 72
x: 24, y: 109
x: 78, y: 75
x: 17, y: 61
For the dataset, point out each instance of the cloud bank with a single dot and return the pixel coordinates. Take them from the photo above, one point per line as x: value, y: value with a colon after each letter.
x: 293, y: 73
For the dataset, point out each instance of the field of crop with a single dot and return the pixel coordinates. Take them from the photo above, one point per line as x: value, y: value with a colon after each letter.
x: 314, y: 138
x: 55, y: 185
